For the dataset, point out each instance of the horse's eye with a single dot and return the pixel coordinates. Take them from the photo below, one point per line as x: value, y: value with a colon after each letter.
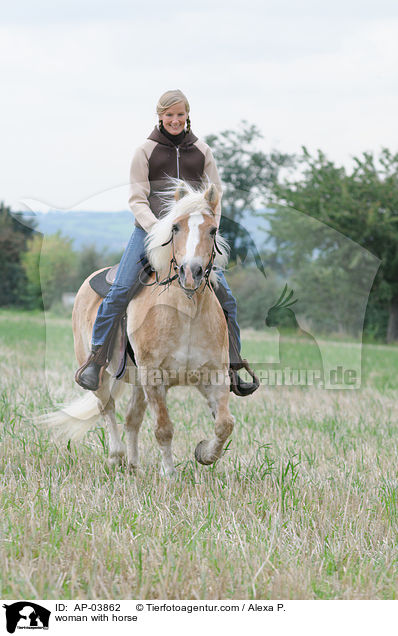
x: 213, y: 231
x: 175, y: 228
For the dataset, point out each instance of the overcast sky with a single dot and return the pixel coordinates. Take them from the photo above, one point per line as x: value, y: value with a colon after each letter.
x: 79, y: 81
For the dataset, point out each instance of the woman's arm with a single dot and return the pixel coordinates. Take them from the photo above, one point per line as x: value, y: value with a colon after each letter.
x: 140, y: 189
x: 211, y: 173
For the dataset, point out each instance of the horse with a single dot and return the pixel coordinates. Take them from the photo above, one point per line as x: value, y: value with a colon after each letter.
x: 176, y: 328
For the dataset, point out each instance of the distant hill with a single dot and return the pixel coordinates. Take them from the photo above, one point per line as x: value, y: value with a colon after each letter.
x: 105, y: 230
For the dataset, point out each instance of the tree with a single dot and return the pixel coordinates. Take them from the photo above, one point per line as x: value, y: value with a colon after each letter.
x: 50, y: 265
x: 13, y: 238
x: 246, y: 173
x: 361, y: 204
x: 89, y: 261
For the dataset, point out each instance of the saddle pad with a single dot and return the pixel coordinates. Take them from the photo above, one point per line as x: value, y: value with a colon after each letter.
x: 102, y: 282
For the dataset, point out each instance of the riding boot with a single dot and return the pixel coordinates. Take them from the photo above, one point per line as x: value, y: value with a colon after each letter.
x: 237, y: 385
x: 88, y: 376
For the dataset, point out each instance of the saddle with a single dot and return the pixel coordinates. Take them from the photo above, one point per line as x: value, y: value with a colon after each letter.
x: 102, y: 282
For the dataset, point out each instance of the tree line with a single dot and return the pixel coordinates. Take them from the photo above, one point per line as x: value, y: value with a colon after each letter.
x: 316, y: 221
x: 326, y: 227
x: 35, y: 270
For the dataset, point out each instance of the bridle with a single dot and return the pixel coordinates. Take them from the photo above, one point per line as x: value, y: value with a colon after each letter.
x: 166, y: 282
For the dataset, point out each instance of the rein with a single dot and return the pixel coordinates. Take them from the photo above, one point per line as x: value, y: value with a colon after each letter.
x: 173, y: 265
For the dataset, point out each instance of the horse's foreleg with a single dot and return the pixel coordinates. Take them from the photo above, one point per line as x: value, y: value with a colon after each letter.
x: 156, y: 396
x: 135, y: 414
x: 208, y: 451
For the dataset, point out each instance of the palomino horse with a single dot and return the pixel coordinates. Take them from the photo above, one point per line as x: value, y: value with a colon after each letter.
x: 177, y: 330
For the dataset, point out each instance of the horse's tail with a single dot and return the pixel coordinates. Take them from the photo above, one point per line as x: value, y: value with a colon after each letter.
x: 74, y: 420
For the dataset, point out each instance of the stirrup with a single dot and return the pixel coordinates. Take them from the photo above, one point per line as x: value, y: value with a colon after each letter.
x: 239, y: 386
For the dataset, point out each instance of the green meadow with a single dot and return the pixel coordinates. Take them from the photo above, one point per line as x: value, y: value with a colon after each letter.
x: 302, y: 505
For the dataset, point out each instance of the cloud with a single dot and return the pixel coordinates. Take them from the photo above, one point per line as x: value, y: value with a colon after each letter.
x: 79, y: 11
x: 80, y: 82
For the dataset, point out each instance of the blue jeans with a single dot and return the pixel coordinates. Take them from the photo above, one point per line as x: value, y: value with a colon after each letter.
x: 230, y: 307
x: 115, y: 303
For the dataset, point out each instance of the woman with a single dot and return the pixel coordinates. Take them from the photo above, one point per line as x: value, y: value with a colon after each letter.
x: 171, y: 150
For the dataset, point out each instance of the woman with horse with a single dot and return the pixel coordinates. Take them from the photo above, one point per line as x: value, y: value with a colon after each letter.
x: 177, y: 330
x: 182, y: 324
x: 171, y: 151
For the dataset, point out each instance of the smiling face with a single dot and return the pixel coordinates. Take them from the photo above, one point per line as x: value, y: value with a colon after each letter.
x: 174, y: 118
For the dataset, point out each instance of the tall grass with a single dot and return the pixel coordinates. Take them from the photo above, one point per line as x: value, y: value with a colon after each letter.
x: 302, y: 505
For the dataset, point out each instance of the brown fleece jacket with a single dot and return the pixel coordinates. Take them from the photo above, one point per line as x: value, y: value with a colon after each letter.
x: 159, y: 159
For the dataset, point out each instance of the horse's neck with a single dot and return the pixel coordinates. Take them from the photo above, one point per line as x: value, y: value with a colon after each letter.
x: 198, y: 302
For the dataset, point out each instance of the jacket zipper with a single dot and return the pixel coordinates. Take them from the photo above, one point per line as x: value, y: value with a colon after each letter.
x: 178, y: 161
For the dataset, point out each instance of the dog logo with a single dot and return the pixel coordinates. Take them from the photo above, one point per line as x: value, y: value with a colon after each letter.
x: 26, y: 615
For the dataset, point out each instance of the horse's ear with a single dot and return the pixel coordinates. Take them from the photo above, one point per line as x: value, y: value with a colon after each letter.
x: 212, y: 196
x: 181, y: 191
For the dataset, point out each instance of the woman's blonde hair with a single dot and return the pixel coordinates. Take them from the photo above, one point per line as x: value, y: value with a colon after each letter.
x: 169, y: 98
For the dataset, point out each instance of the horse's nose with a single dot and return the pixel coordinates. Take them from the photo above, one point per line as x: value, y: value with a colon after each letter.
x: 191, y: 274
x: 197, y: 271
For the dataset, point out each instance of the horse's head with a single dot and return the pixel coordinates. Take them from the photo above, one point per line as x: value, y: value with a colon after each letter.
x: 184, y: 240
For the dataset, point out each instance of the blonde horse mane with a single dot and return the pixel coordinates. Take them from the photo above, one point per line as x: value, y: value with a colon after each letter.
x: 158, y: 246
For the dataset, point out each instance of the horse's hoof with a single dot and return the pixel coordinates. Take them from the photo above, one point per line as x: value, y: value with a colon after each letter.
x: 169, y: 473
x: 117, y: 455
x: 134, y: 469
x: 115, y: 460
x: 199, y: 452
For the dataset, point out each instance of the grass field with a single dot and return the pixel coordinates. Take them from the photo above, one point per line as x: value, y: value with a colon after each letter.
x: 303, y: 504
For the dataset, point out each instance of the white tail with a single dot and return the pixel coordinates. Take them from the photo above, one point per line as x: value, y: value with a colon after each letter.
x: 73, y: 420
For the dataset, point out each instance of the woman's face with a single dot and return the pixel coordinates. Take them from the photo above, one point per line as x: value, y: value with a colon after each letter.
x: 174, y: 118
